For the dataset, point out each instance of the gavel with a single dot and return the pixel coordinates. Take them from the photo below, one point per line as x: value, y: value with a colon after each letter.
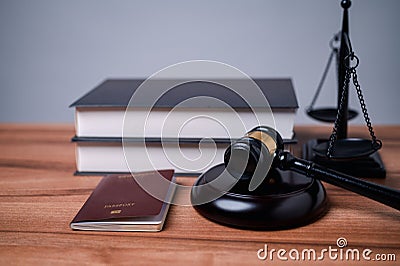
x: 250, y: 158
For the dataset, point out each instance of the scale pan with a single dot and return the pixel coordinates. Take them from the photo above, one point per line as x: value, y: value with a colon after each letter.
x: 328, y: 114
x: 350, y: 148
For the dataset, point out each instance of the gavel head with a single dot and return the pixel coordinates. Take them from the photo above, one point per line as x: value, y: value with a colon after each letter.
x: 250, y: 158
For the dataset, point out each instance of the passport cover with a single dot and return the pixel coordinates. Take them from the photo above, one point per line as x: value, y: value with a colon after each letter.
x: 120, y: 203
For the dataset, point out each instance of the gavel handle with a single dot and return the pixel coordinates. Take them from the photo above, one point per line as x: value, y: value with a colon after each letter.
x: 382, y: 194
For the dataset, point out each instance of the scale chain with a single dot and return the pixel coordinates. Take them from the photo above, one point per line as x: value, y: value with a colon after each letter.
x: 333, y: 137
x: 377, y: 143
x: 352, y: 73
x: 334, y: 53
x: 322, y: 81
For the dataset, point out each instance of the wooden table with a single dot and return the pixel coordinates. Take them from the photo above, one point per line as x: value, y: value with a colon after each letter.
x: 40, y: 196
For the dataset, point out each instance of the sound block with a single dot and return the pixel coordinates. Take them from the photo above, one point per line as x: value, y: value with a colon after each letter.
x: 285, y: 200
x: 368, y: 166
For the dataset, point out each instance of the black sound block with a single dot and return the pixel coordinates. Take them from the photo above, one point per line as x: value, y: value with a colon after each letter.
x: 286, y: 200
x: 369, y: 166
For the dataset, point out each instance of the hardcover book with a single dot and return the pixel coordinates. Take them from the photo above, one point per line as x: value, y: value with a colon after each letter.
x: 120, y: 203
x: 100, y: 113
x: 98, y: 156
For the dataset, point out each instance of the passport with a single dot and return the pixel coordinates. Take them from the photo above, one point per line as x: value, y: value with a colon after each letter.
x: 129, y: 202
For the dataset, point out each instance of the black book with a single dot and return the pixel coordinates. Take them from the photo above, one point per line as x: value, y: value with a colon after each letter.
x: 100, y: 113
x: 187, y: 156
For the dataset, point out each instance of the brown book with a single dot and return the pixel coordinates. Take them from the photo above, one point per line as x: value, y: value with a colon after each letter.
x: 121, y: 203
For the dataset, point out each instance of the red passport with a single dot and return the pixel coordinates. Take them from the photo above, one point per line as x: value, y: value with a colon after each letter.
x: 128, y: 203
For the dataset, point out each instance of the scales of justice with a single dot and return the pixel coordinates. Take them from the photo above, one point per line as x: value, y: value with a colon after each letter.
x: 289, y: 192
x: 353, y: 156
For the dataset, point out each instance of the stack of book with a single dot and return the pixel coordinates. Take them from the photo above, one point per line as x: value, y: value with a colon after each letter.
x: 189, y: 137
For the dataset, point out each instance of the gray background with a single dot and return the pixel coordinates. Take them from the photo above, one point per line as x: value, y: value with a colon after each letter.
x: 52, y: 51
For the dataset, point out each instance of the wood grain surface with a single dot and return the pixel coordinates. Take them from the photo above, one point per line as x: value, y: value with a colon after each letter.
x: 40, y: 196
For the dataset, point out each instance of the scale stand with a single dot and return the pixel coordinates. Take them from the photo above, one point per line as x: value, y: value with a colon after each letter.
x: 353, y: 156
